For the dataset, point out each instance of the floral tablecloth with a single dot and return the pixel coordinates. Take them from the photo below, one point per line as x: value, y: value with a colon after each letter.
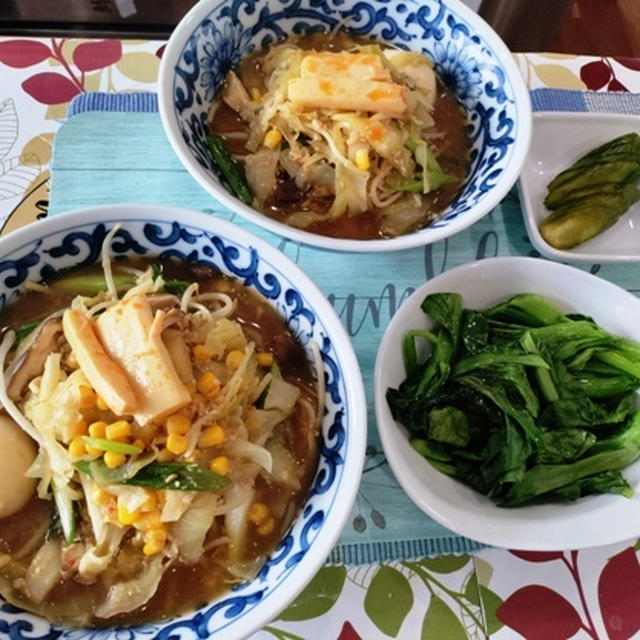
x: 494, y: 594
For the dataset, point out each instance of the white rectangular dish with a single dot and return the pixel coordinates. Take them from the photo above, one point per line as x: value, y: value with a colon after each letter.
x: 558, y: 140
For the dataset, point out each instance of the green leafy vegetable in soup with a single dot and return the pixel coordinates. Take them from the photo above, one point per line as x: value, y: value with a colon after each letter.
x: 520, y: 401
x: 162, y: 424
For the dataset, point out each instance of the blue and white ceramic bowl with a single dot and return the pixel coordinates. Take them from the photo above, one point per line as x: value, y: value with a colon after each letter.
x: 73, y: 239
x: 216, y: 34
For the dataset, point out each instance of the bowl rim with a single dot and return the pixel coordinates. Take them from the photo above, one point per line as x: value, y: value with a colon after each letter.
x: 509, y: 534
x: 421, y: 237
x: 317, y: 553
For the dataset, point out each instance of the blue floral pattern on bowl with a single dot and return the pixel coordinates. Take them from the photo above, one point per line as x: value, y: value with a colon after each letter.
x: 464, y: 60
x: 80, y: 244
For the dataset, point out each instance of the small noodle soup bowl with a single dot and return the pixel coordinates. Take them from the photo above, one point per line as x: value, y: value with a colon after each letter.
x: 75, y: 239
x: 468, y: 56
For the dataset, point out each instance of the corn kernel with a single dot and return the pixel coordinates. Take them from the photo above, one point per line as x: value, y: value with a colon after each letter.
x: 164, y: 455
x: 266, y: 528
x: 211, y: 436
x: 147, y: 433
x: 362, y: 159
x: 119, y: 430
x: 154, y: 541
x: 258, y: 513
x: 77, y: 448
x: 151, y: 503
x: 177, y: 443
x: 101, y: 404
x: 234, y: 358
x: 98, y: 429
x: 255, y: 94
x: 141, y: 444
x: 87, y: 397
x: 200, y: 352
x: 79, y: 429
x: 220, y: 465
x: 178, y: 423
x: 113, y: 460
x: 150, y: 549
x: 272, y: 138
x: 101, y: 497
x: 125, y: 516
x: 157, y: 534
x: 149, y: 521
x: 92, y: 451
x: 265, y: 359
x: 209, y: 384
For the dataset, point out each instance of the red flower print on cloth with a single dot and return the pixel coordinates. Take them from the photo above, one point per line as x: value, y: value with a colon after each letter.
x: 539, y: 613
x: 50, y: 88
x: 20, y: 54
x: 348, y: 632
x: 89, y: 56
x: 538, y: 556
x: 619, y: 595
x: 599, y: 73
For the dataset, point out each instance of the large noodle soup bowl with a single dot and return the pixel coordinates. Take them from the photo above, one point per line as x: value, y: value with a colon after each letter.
x: 73, y: 239
x: 468, y: 56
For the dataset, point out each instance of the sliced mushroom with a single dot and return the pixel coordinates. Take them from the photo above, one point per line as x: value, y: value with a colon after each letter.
x: 31, y: 364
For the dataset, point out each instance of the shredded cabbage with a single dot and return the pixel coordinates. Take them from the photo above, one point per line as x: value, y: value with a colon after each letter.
x: 236, y: 520
x: 131, y: 594
x: 98, y: 557
x: 175, y: 505
x: 44, y: 571
x: 190, y: 531
x: 251, y: 451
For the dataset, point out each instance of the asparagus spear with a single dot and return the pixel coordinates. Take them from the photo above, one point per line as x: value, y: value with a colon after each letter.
x: 229, y: 167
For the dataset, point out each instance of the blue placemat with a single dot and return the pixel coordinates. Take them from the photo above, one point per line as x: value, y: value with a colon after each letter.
x: 113, y: 149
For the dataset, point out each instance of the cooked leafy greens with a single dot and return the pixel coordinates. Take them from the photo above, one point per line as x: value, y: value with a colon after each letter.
x: 520, y: 401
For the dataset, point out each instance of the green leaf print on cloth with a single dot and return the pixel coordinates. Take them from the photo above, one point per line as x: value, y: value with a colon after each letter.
x: 440, y: 623
x: 389, y: 599
x: 319, y: 595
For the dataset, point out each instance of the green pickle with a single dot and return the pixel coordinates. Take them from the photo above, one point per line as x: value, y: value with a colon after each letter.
x: 609, y: 172
x: 592, y: 193
x: 582, y: 219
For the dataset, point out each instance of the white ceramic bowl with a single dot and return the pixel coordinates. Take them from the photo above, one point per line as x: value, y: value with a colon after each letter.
x: 559, y: 139
x: 468, y: 55
x: 75, y: 238
x: 591, y: 521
